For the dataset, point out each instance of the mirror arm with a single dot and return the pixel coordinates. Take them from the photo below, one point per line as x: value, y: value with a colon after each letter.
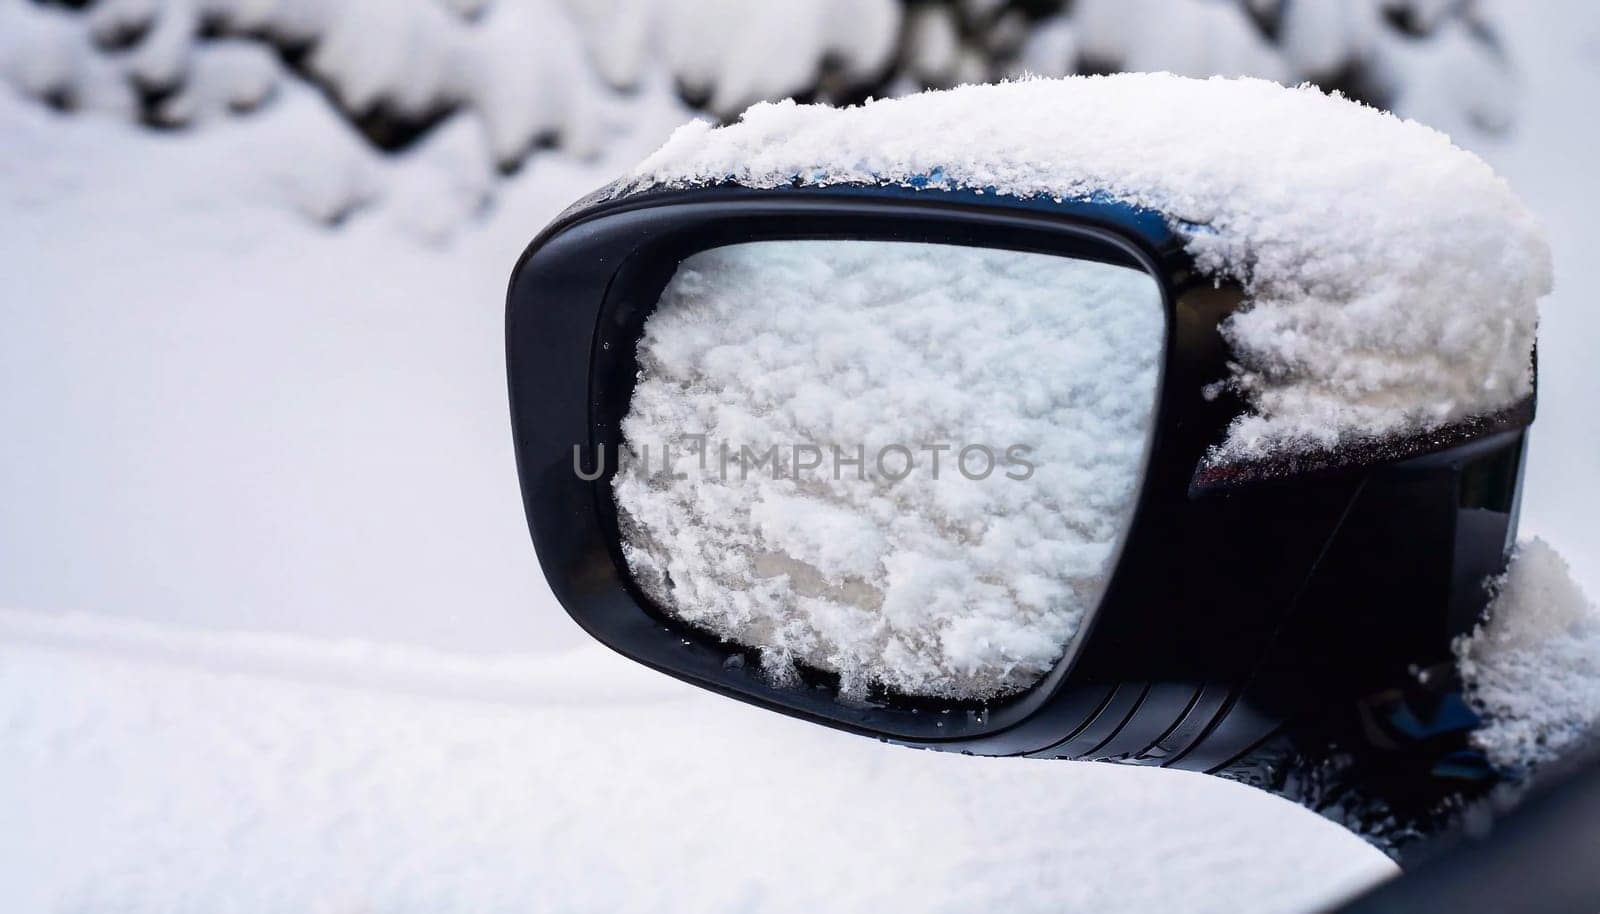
x: 1396, y: 767
x: 1526, y: 848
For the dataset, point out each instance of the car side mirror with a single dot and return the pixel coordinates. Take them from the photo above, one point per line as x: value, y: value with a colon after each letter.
x: 1242, y: 374
x: 1204, y: 624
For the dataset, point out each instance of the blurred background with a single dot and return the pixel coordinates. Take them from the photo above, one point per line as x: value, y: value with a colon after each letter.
x: 255, y: 253
x: 251, y: 380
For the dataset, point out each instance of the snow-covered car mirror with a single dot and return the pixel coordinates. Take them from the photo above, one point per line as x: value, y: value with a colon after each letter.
x: 1254, y: 506
x: 909, y: 465
x: 723, y: 296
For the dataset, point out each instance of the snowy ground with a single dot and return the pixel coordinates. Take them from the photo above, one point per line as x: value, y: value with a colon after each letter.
x: 138, y: 775
x: 221, y: 416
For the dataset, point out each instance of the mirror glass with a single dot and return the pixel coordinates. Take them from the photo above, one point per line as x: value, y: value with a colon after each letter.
x: 907, y: 464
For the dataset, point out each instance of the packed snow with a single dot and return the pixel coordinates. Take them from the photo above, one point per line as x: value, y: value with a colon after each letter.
x: 1392, y: 278
x: 999, y: 403
x: 166, y: 771
x: 1533, y: 666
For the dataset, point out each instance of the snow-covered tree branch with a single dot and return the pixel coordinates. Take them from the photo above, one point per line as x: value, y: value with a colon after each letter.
x: 532, y: 73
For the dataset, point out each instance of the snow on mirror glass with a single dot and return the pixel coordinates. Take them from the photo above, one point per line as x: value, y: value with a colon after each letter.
x: 908, y: 464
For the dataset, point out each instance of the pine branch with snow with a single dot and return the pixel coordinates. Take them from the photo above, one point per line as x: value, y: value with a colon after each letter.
x: 531, y: 74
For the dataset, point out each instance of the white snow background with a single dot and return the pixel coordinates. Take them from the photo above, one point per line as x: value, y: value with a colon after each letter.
x: 219, y: 416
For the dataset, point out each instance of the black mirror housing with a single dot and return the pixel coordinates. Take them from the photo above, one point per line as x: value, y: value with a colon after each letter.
x: 1243, y: 601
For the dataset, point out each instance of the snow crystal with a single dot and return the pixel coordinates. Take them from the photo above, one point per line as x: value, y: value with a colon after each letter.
x: 936, y: 583
x: 1533, y: 666
x: 1392, y: 278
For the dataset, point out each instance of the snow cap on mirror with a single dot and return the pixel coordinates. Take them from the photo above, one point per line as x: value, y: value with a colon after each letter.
x: 1532, y: 666
x: 1391, y: 278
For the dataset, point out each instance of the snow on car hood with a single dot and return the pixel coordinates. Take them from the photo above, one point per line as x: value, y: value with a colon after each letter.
x: 1391, y: 277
